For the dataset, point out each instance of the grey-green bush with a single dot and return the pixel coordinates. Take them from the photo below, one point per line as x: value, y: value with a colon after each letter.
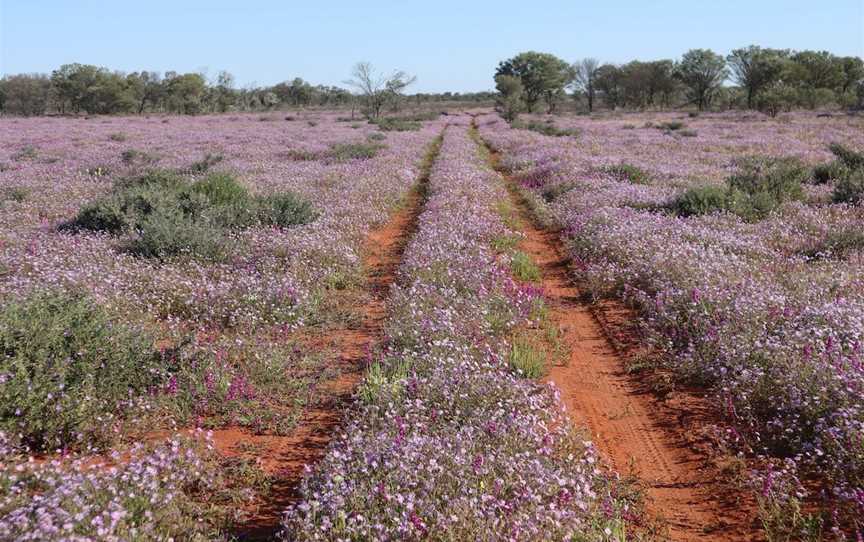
x: 342, y: 152
x: 850, y: 189
x: 286, y: 210
x: 396, y: 124
x: 830, y: 171
x: 628, y: 172
x: 701, y: 200
x: 546, y: 128
x: 769, y: 182
x: 69, y: 372
x: 204, y: 165
x: 164, y: 215
x: 851, y: 159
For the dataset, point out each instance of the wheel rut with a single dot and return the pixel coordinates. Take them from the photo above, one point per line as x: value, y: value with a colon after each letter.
x: 636, y: 435
x: 286, y: 457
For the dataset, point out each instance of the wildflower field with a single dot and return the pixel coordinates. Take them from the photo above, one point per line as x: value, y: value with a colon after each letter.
x: 307, y: 326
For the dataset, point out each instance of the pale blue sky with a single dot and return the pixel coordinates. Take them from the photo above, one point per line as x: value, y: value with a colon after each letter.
x: 449, y: 45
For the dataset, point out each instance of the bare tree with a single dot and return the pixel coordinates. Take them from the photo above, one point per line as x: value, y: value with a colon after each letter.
x: 585, y: 77
x: 377, y: 88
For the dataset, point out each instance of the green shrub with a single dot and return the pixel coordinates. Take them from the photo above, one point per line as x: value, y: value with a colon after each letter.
x: 851, y: 159
x: 221, y: 189
x: 830, y: 171
x: 554, y: 191
x: 701, y: 200
x: 396, y: 124
x: 69, y: 372
x: 546, y: 128
x: 420, y: 116
x: 342, y: 152
x: 134, y: 156
x: 524, y: 268
x: 101, y: 215
x: 13, y: 193
x: 169, y: 232
x: 850, y: 189
x: 628, y: 172
x: 770, y: 181
x: 28, y: 152
x: 387, y: 379
x: 300, y: 155
x: 164, y: 215
x: 376, y: 136
x: 285, y: 210
x: 204, y: 165
x: 526, y: 359
x: 130, y: 199
x: 761, y: 185
x: 117, y: 136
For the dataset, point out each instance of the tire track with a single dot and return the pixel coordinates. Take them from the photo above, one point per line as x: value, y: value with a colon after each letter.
x: 285, y: 457
x: 633, y: 432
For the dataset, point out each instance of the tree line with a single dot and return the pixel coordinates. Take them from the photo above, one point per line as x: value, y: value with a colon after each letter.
x: 84, y: 88
x: 770, y: 80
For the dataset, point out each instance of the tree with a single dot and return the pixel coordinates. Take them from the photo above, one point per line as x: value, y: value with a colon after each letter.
x: 184, y: 93
x: 702, y: 71
x: 510, y: 101
x: 145, y: 88
x: 25, y: 95
x: 755, y: 69
x: 91, y: 89
x: 584, y: 79
x: 223, y: 93
x: 816, y: 75
x: 852, y: 68
x: 73, y: 82
x: 661, y: 81
x: 543, y: 76
x: 607, y: 80
x: 635, y: 84
x: 377, y: 89
x: 776, y: 98
x: 816, y: 69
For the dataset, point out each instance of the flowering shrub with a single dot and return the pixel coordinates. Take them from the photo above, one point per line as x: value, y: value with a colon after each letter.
x: 768, y: 314
x: 68, y: 375
x: 445, y: 442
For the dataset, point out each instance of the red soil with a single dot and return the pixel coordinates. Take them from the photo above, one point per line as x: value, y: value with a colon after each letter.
x: 285, y: 457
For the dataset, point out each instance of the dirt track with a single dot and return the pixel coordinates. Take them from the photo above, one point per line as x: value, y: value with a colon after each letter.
x: 285, y: 457
x: 634, y: 432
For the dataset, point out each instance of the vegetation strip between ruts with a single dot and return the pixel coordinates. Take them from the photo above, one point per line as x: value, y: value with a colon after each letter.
x: 631, y: 432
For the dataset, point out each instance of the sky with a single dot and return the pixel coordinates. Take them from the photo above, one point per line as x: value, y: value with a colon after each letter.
x: 448, y: 45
